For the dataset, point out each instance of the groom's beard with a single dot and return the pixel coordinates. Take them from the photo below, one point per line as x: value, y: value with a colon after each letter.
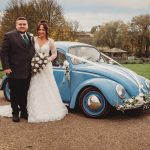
x: 21, y: 32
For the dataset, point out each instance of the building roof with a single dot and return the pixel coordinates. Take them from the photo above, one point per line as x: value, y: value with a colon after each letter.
x: 114, y: 50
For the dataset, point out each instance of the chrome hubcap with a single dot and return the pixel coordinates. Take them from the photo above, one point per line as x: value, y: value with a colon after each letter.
x: 94, y: 103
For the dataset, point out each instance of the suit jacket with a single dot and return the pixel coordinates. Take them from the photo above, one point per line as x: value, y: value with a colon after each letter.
x: 16, y: 54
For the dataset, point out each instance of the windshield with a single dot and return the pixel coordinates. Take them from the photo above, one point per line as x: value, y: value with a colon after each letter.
x: 85, y: 52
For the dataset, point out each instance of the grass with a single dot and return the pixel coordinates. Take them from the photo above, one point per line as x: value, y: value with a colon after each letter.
x: 141, y: 69
x: 1, y: 72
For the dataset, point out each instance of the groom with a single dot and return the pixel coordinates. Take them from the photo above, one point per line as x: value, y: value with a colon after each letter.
x: 16, y: 54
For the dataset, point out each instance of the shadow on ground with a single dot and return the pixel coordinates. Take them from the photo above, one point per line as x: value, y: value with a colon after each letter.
x: 115, y: 115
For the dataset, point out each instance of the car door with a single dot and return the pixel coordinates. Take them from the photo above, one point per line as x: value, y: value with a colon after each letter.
x: 61, y: 80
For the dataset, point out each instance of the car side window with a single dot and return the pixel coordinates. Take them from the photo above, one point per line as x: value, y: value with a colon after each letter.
x: 59, y: 61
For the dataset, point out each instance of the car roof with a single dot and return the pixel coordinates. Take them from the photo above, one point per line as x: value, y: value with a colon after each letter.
x: 65, y: 45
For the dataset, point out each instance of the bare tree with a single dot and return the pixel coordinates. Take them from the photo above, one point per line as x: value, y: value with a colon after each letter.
x: 140, y: 30
x: 34, y: 11
x: 112, y: 34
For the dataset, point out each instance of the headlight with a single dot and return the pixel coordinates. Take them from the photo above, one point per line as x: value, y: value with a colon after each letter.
x: 120, y: 91
x: 147, y: 82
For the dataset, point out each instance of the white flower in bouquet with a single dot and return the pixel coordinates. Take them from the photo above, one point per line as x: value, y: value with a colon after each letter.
x: 44, y: 54
x: 34, y: 70
x: 40, y: 69
x: 40, y: 62
x: 37, y: 58
x: 45, y: 61
x: 43, y: 65
x: 36, y: 65
x: 41, y: 55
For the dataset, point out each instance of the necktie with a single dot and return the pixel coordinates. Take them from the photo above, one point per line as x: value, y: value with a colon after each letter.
x: 26, y: 39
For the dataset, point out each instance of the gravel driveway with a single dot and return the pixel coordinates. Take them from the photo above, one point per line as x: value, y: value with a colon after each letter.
x: 118, y: 131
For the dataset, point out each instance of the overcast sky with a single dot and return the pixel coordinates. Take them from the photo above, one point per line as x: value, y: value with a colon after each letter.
x: 95, y: 12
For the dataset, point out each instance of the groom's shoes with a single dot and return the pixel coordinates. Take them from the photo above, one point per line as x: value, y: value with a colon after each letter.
x: 15, y: 118
x: 24, y: 116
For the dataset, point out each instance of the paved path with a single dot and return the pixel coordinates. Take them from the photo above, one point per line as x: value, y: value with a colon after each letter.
x: 77, y: 132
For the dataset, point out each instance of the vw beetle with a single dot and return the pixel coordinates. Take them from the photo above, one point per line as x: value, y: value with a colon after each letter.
x: 93, y: 81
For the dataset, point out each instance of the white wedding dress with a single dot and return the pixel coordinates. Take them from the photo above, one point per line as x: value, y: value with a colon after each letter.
x: 44, y: 102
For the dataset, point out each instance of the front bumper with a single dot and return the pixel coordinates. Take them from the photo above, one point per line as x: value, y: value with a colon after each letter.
x: 140, y: 101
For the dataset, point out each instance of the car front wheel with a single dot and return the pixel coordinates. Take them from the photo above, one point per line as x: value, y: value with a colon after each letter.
x: 93, y: 103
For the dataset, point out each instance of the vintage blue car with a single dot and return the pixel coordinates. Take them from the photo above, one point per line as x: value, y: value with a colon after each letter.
x: 94, y: 82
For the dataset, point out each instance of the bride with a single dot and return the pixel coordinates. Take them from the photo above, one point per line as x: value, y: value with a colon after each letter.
x: 44, y: 102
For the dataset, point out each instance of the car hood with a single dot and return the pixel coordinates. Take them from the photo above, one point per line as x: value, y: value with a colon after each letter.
x: 121, y: 75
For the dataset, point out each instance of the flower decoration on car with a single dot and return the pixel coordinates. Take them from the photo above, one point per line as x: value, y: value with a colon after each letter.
x: 134, y: 102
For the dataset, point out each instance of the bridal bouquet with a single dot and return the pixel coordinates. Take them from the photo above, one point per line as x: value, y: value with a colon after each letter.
x: 38, y: 62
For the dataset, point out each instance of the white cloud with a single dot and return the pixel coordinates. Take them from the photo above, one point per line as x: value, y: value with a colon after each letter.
x: 94, y: 12
x: 3, y: 4
x: 134, y: 4
x: 130, y: 4
x: 88, y: 20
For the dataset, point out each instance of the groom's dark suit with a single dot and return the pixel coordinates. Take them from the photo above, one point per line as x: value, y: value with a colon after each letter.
x: 16, y: 55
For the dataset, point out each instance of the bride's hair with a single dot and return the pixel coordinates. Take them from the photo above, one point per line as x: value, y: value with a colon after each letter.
x: 44, y: 23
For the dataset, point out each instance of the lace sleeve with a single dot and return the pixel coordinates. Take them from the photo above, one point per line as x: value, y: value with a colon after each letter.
x: 53, y: 50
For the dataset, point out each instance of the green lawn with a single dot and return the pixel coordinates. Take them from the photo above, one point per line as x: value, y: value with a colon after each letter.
x: 141, y: 69
x: 1, y: 72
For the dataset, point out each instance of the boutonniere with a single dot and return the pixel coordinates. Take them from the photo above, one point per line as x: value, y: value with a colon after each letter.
x: 31, y: 36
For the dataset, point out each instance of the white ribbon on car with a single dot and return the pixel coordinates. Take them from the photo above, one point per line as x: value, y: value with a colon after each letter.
x: 134, y: 76
x: 110, y: 69
x: 66, y: 73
